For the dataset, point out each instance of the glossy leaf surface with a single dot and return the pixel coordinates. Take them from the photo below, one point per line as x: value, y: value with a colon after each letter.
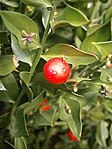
x: 18, y: 124
x: 97, y: 36
x: 20, y: 143
x: 8, y: 63
x: 70, y: 53
x: 70, y: 16
x: 16, y: 23
x: 38, y: 3
x: 72, y: 117
x: 24, y: 56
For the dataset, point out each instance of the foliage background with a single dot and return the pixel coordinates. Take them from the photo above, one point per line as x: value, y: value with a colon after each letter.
x: 80, y: 31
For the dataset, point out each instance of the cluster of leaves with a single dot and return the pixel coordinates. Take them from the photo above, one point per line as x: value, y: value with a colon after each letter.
x: 34, y: 31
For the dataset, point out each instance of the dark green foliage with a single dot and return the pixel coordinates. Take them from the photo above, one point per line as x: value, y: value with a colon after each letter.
x: 31, y: 33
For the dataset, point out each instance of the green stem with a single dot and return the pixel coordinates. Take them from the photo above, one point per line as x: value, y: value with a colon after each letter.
x: 95, y: 11
x: 17, y: 101
x: 37, y: 58
x: 46, y: 143
x: 91, y: 71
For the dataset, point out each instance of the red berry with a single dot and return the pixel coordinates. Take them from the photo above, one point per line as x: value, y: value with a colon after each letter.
x: 46, y: 108
x: 71, y: 136
x: 56, y: 71
x: 42, y: 104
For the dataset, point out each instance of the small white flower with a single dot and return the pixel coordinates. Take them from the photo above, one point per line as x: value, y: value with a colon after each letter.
x: 27, y: 38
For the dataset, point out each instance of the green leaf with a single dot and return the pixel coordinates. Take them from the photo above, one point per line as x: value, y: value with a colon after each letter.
x: 92, y: 29
x: 16, y: 23
x: 39, y: 79
x: 21, y: 55
x: 70, y: 53
x: 42, y: 121
x: 104, y: 48
x: 33, y: 104
x: 104, y: 75
x: 38, y: 3
x: 20, y: 143
x: 81, y: 33
x: 72, y: 117
x: 4, y: 97
x: 97, y: 36
x: 8, y: 63
x: 3, y: 37
x: 102, y: 133
x: 9, y: 3
x: 49, y: 115
x: 18, y: 124
x: 70, y: 16
x: 97, y: 114
x: 45, y: 16
x: 111, y: 131
x: 2, y: 87
x: 108, y: 14
x: 108, y: 105
x: 24, y: 77
x: 45, y: 118
x: 109, y: 147
x: 11, y: 85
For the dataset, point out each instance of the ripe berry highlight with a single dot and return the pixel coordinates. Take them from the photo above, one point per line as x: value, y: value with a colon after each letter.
x: 56, y: 71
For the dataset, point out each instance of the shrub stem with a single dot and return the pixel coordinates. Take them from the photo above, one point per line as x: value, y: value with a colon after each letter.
x: 37, y: 57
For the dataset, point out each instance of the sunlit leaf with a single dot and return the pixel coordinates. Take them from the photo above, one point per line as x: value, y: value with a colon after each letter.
x: 97, y: 36
x: 70, y: 53
x: 16, y: 23
x: 102, y: 133
x: 20, y: 143
x: 104, y: 75
x: 70, y: 16
x: 38, y: 3
x: 97, y: 113
x: 92, y: 29
x: 109, y: 147
x: 111, y: 131
x: 9, y: 3
x: 105, y: 48
x: 2, y: 88
x: 8, y: 63
x: 108, y: 14
x: 108, y: 105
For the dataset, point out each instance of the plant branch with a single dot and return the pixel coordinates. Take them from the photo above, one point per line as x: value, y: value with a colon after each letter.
x: 37, y: 57
x: 46, y: 143
x: 90, y: 71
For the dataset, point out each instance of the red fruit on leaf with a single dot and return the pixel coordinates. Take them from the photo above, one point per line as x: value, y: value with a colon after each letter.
x: 46, y: 108
x: 56, y: 71
x: 71, y: 136
x: 42, y: 104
